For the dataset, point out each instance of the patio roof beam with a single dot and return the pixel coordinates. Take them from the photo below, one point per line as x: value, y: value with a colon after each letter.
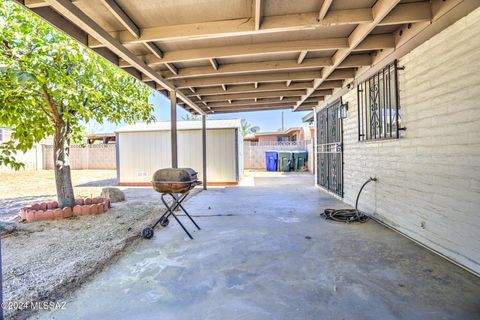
x: 244, y: 88
x: 248, y: 78
x: 372, y: 42
x: 380, y: 10
x: 357, y: 60
x: 245, y: 50
x: 74, y: 14
x: 253, y: 107
x: 242, y: 26
x: 248, y: 102
x: 259, y: 95
x: 247, y: 67
x: 404, y: 13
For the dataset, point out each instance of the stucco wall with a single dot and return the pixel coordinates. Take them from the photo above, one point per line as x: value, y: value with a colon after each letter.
x: 429, y: 180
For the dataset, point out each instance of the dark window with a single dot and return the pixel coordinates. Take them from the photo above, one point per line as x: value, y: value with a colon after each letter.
x: 378, y: 105
x: 282, y: 138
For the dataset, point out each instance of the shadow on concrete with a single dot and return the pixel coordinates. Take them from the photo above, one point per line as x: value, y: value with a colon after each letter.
x: 11, y: 206
x: 99, y: 183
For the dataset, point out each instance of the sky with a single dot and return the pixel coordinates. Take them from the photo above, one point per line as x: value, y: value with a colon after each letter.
x: 265, y: 120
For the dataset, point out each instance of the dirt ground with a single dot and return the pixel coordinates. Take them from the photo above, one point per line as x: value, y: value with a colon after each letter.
x: 19, y: 189
x: 44, y: 260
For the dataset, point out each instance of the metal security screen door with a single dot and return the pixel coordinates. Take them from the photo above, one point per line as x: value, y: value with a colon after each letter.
x: 329, y: 148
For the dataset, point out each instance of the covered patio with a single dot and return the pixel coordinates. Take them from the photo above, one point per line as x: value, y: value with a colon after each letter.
x: 274, y: 257
x: 264, y: 251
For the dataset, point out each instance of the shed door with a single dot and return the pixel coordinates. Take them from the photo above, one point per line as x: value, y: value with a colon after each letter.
x: 330, y: 148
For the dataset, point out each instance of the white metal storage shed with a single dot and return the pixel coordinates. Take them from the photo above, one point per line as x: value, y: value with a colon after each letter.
x: 144, y: 148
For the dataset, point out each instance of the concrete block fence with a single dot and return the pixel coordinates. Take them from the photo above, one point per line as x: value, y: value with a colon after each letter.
x: 96, y: 156
x: 254, y: 152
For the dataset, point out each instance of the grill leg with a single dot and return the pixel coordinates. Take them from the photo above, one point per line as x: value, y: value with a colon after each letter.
x: 196, y: 225
x: 179, y: 204
x: 181, y: 225
x: 173, y: 207
x: 168, y: 213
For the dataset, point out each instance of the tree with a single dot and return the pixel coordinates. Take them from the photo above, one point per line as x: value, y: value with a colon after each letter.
x: 245, y: 127
x: 51, y: 85
x: 191, y: 117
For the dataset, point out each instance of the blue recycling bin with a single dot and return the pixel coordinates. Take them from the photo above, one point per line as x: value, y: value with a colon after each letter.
x: 271, y: 160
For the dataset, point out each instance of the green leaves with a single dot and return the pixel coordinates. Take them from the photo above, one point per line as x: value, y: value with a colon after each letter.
x: 80, y: 85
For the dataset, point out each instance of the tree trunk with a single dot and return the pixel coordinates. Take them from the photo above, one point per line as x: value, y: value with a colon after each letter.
x: 61, y: 156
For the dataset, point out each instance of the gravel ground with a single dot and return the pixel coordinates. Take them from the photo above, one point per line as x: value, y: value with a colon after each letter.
x: 42, y: 261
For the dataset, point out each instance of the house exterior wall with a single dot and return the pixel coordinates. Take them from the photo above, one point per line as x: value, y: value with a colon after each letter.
x: 428, y: 180
x: 142, y: 153
x: 267, y: 138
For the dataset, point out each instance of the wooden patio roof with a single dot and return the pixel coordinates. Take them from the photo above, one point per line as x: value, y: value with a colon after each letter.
x: 246, y: 55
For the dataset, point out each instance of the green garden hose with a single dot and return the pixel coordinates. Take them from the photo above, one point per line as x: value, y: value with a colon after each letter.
x: 348, y: 215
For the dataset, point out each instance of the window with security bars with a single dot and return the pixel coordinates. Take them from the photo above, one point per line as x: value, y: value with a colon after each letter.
x: 378, y: 105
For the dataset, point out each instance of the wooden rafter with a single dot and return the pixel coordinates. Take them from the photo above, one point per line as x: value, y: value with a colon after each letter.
x: 242, y: 88
x: 214, y: 63
x: 270, y: 24
x: 122, y: 17
x: 379, y: 11
x: 324, y: 9
x: 249, y: 67
x: 154, y: 49
x: 248, y: 78
x: 246, y: 50
x: 258, y: 14
x: 258, y: 71
x: 302, y: 56
x: 241, y: 96
x: 74, y: 14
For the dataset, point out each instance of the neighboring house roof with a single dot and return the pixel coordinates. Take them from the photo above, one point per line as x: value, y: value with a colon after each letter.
x: 101, y: 135
x: 181, y: 125
x: 272, y: 133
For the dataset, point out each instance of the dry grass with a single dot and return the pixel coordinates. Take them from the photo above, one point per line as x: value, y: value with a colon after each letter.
x: 22, y: 188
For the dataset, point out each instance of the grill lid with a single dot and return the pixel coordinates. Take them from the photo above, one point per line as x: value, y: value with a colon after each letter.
x: 174, y: 175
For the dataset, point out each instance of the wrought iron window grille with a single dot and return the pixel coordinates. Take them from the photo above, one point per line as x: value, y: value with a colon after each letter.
x: 379, y: 105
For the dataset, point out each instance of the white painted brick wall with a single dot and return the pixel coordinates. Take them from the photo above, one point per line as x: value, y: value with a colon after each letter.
x: 431, y: 174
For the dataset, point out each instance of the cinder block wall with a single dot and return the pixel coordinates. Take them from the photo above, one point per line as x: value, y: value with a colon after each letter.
x: 431, y: 175
x: 96, y: 156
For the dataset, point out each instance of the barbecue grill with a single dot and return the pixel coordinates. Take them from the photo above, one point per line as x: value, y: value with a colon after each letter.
x: 177, y: 184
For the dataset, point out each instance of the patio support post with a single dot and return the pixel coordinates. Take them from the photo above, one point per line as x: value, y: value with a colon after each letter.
x: 173, y: 127
x: 204, y: 151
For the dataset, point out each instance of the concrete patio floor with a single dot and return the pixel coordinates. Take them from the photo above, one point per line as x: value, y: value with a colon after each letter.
x: 265, y: 253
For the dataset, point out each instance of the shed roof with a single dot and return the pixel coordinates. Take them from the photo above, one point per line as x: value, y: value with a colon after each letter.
x: 181, y: 125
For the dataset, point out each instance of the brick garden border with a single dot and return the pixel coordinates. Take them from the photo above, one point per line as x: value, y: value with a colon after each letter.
x: 50, y: 211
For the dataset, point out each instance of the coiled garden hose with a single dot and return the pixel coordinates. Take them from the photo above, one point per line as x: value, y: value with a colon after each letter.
x: 348, y: 215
